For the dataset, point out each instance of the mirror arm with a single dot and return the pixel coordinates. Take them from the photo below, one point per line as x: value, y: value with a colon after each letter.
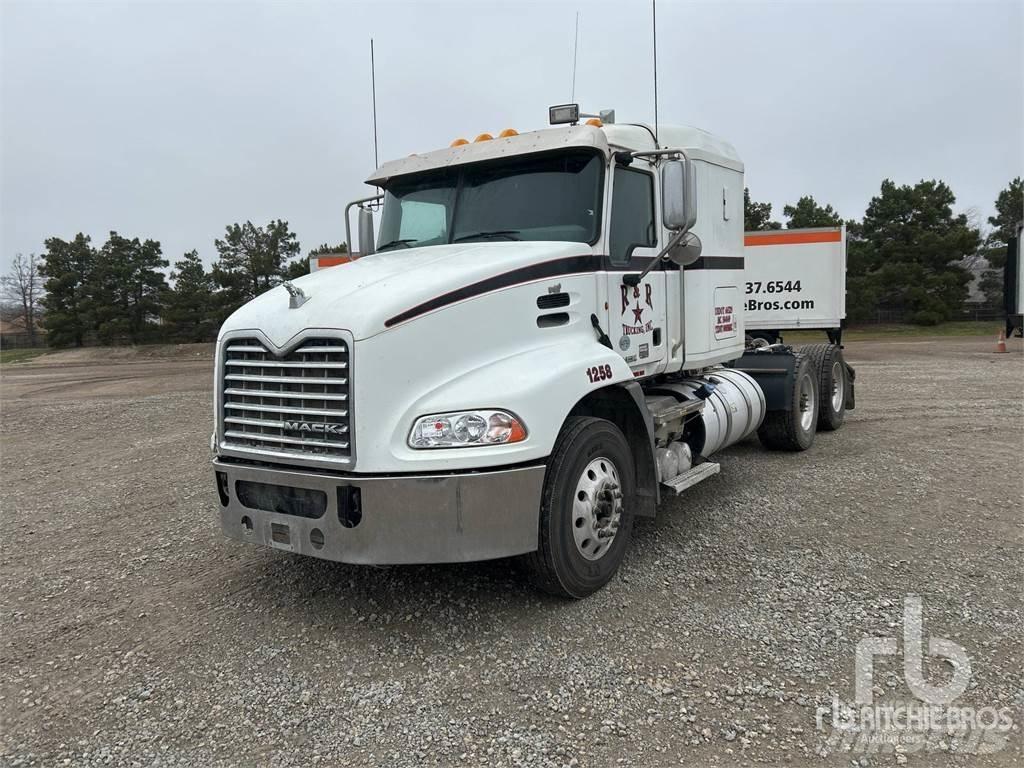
x: 656, y: 153
x: 635, y: 280
x: 348, y: 228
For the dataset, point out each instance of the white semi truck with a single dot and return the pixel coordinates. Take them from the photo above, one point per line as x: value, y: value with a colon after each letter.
x: 546, y: 340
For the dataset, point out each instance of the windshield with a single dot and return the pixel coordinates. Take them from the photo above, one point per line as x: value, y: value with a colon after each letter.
x: 542, y: 197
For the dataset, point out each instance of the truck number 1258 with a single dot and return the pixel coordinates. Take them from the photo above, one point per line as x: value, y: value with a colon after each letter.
x: 599, y: 373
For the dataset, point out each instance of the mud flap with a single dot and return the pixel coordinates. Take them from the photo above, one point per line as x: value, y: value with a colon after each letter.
x: 851, y: 376
x: 773, y: 371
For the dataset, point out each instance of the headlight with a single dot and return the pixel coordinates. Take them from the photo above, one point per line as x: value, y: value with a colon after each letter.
x: 464, y: 429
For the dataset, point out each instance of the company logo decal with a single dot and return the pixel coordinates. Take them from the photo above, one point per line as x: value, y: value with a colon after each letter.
x: 635, y: 325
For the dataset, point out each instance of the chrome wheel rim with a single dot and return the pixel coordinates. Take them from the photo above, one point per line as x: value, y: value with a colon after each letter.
x: 596, y: 508
x: 838, y: 387
x: 806, y: 403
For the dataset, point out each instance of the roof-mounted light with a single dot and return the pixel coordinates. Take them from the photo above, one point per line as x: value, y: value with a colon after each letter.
x: 595, y: 121
x: 564, y: 113
x: 507, y: 133
x: 458, y: 143
x: 483, y: 137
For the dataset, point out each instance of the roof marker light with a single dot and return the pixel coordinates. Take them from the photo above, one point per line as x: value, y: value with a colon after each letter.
x: 458, y: 143
x: 596, y: 122
x: 483, y: 137
x: 508, y: 132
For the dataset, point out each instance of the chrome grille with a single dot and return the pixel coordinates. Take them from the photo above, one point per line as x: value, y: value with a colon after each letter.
x: 297, y: 404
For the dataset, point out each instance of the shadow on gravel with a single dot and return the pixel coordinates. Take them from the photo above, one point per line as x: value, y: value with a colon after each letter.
x: 318, y: 592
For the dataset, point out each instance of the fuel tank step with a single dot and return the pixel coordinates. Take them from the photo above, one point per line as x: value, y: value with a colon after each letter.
x: 692, y: 476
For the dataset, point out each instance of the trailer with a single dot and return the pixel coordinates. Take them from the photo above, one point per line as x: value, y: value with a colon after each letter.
x: 1013, y: 286
x: 795, y: 279
x: 546, y: 338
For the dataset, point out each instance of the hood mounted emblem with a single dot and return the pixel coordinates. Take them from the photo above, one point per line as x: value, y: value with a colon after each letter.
x: 296, y: 297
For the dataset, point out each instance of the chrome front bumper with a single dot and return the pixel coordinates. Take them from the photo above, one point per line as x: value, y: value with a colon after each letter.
x: 386, y: 520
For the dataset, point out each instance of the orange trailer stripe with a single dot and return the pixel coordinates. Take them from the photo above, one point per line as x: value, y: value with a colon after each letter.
x: 792, y: 238
x: 332, y: 261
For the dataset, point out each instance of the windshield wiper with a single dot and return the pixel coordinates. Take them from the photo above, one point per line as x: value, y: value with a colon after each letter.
x: 404, y: 243
x: 507, y: 234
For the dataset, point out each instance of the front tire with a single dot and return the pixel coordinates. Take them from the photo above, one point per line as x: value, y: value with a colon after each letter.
x: 585, y: 517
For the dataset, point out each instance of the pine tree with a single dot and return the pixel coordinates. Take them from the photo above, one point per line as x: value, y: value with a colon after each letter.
x: 189, y: 308
x: 67, y: 266
x: 126, y: 289
x: 907, y: 251
x: 252, y: 260
x: 757, y: 216
x: 1009, y: 214
x: 807, y: 213
x: 1009, y: 211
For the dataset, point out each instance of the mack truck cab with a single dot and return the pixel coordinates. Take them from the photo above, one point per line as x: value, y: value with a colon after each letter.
x: 546, y: 337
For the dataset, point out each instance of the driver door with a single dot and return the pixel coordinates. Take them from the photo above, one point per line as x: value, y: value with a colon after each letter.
x: 636, y: 314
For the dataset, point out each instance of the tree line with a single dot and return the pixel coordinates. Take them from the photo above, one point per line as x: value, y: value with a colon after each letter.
x: 119, y: 293
x: 909, y: 252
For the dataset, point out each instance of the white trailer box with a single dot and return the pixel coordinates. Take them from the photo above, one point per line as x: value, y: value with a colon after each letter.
x: 795, y: 278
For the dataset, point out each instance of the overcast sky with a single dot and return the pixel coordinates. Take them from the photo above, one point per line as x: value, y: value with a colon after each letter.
x: 170, y: 120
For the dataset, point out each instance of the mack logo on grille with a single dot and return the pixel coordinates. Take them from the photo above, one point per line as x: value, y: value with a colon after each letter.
x: 306, y: 426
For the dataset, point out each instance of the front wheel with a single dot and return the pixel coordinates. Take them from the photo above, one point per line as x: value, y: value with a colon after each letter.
x: 585, y: 517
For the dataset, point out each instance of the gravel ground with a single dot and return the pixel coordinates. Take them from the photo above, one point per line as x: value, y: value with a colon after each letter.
x: 133, y: 634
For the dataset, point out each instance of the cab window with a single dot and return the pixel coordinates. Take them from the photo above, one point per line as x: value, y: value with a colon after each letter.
x: 632, y: 220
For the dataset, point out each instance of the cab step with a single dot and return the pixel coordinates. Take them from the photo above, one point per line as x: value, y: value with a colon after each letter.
x: 692, y: 476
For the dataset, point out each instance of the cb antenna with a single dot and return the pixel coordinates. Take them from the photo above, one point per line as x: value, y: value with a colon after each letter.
x: 575, y: 50
x: 373, y: 94
x: 654, y: 31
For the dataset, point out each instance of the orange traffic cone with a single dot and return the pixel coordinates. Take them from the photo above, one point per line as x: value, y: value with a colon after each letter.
x: 1001, y: 341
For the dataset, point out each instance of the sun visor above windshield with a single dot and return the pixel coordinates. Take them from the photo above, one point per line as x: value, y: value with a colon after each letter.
x: 524, y: 143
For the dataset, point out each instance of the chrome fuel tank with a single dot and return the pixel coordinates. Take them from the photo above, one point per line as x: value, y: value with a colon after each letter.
x: 734, y: 407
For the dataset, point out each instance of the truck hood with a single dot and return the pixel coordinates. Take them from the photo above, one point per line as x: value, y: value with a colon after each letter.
x: 363, y: 295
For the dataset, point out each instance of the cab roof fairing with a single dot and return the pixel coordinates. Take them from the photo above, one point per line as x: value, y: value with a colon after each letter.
x: 696, y: 143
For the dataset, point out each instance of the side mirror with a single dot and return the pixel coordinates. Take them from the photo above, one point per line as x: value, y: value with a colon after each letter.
x: 686, y: 251
x: 365, y: 229
x: 678, y: 195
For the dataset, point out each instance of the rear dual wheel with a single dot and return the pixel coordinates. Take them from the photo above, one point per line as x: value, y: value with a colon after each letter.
x: 793, y: 429
x: 585, y: 518
x: 828, y: 362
